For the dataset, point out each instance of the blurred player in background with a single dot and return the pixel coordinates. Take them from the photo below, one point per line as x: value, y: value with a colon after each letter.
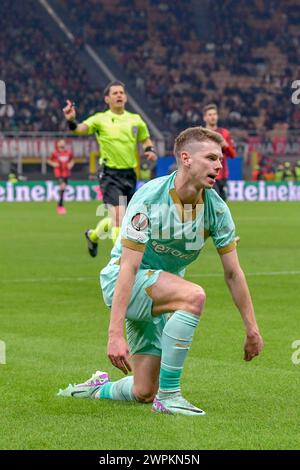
x: 117, y: 132
x: 210, y: 116
x: 297, y: 171
x: 62, y: 161
x: 279, y: 171
x: 288, y: 173
x: 143, y: 282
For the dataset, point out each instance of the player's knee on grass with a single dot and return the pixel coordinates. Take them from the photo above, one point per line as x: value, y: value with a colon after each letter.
x: 144, y: 394
x: 195, y: 299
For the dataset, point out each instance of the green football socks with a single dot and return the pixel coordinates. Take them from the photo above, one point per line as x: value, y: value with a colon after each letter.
x: 120, y: 390
x: 176, y: 340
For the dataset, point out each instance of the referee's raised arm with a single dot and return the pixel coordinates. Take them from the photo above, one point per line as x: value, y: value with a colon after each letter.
x: 70, y: 115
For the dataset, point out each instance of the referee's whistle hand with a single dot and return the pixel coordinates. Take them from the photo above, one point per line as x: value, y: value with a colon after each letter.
x: 69, y: 111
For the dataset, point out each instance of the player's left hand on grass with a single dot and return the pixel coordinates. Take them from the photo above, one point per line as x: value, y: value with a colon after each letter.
x: 151, y: 156
x: 118, y: 353
x: 253, y: 345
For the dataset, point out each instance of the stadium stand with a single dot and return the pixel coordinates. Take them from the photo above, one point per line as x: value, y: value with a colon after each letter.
x: 40, y: 72
x: 245, y: 66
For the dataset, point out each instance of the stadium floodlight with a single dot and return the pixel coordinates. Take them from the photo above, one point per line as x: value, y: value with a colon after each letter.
x: 2, y: 92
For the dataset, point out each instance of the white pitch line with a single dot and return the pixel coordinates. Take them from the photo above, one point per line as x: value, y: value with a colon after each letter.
x: 262, y: 273
x: 48, y: 279
x: 94, y: 278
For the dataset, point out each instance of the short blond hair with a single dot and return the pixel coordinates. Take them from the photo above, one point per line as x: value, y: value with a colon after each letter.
x: 195, y: 134
x: 208, y: 107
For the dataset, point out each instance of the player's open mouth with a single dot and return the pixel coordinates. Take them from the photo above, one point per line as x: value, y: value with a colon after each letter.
x: 212, y: 177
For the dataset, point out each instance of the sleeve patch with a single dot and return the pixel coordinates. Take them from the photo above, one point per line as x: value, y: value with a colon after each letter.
x: 140, y: 222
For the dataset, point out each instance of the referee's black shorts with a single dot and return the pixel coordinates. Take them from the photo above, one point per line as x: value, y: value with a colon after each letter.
x: 116, y: 184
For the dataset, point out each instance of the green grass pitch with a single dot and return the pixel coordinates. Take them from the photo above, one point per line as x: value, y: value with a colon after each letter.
x: 54, y: 324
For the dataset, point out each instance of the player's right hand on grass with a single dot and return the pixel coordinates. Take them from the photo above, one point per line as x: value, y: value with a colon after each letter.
x: 69, y: 111
x: 118, y: 353
x: 253, y: 345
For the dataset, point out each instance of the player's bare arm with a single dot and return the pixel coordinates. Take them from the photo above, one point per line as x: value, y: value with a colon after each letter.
x: 52, y: 163
x: 149, y: 150
x: 237, y: 284
x: 70, y: 115
x: 117, y: 348
x: 71, y: 164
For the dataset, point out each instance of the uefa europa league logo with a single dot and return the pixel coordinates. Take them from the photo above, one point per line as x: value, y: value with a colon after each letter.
x: 2, y: 92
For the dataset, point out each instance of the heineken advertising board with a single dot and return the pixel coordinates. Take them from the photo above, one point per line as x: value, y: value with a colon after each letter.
x: 40, y: 191
x: 263, y: 191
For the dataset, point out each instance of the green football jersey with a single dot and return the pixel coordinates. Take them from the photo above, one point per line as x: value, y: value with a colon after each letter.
x: 117, y: 136
x: 171, y: 235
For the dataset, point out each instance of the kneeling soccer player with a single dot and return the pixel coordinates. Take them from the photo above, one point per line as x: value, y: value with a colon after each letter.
x: 163, y: 231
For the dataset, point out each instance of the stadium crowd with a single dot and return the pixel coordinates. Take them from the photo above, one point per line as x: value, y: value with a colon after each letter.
x: 40, y: 72
x: 246, y: 67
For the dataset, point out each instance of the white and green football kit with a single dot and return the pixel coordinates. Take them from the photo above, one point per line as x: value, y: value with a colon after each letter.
x: 171, y: 236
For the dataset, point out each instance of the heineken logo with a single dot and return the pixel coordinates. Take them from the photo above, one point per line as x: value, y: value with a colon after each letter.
x: 263, y: 191
x: 40, y: 191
